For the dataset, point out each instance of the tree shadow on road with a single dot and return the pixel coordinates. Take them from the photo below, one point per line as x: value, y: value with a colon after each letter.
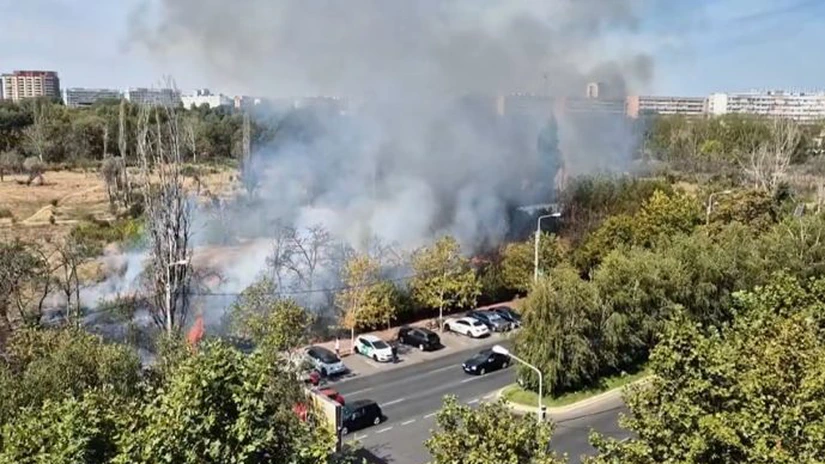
x: 370, y: 457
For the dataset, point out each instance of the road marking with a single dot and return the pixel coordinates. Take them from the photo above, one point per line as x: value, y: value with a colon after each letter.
x: 491, y: 395
x: 408, y: 422
x: 445, y: 368
x: 358, y: 392
x: 357, y: 438
x: 430, y: 415
x: 385, y: 429
x: 390, y: 403
x: 473, y: 401
x: 376, y: 366
x: 470, y: 379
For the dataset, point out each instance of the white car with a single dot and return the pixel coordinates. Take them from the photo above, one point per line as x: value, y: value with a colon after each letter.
x: 468, y: 326
x: 373, y: 347
x: 325, y: 361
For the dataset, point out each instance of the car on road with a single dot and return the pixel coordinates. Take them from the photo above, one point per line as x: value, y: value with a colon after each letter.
x: 492, y: 320
x: 423, y: 339
x: 508, y: 314
x: 360, y: 414
x: 486, y: 361
x: 325, y: 361
x: 467, y: 326
x: 373, y: 347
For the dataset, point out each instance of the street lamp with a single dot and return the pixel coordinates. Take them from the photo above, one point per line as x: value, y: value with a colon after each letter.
x: 169, y: 267
x: 538, y: 238
x: 710, y: 203
x: 504, y: 351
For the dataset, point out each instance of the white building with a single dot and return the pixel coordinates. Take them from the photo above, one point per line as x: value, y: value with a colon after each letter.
x: 77, y: 97
x: 650, y: 104
x: 205, y: 97
x: 160, y: 97
x: 804, y: 107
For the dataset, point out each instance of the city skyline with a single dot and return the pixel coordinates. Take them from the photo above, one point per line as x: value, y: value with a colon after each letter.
x: 713, y: 46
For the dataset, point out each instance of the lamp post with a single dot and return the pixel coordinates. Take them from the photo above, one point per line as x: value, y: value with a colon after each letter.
x: 502, y: 350
x: 710, y: 204
x: 538, y: 238
x: 169, y: 266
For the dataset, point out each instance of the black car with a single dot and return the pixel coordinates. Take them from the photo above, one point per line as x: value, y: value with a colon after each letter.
x: 360, y: 414
x: 486, y: 361
x: 423, y: 339
x: 492, y: 320
x: 509, y: 314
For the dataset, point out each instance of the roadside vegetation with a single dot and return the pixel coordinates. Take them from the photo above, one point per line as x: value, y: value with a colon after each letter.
x: 705, y: 272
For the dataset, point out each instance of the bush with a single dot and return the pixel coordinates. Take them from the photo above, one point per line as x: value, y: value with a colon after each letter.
x: 95, y: 235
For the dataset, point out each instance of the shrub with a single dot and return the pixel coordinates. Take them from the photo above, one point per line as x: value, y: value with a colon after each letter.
x: 95, y: 235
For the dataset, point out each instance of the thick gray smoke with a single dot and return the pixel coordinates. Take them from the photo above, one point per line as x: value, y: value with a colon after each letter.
x: 419, y: 144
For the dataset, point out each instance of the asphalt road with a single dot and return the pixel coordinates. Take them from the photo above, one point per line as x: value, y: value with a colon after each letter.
x: 411, y: 396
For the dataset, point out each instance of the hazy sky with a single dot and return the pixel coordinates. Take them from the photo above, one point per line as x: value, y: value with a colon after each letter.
x: 703, y: 47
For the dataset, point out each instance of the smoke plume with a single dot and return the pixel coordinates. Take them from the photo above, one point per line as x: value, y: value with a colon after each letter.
x: 418, y: 145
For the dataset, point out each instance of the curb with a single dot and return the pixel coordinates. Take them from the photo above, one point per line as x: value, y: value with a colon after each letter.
x: 560, y: 410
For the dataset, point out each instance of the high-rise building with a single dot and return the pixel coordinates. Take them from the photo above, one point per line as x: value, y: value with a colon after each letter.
x: 799, y: 106
x: 20, y: 85
x: 154, y: 97
x: 205, y: 97
x: 646, y: 104
x: 77, y: 97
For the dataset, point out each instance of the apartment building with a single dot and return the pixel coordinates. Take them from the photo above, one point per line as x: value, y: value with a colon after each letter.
x: 20, y: 85
x: 154, y: 97
x: 205, y: 97
x: 79, y: 97
x: 640, y: 105
x: 799, y: 106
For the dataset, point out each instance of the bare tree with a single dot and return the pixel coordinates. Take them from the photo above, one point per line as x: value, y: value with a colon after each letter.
x: 123, y: 148
x: 767, y: 165
x: 70, y: 255
x: 168, y: 216
x: 35, y: 133
x: 25, y: 283
x: 190, y: 134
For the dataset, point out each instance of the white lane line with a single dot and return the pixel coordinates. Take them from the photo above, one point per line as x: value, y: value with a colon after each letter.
x: 390, y: 403
x: 491, y: 395
x: 430, y: 415
x: 473, y: 401
x: 385, y: 429
x: 470, y: 379
x: 358, y: 392
x: 408, y: 422
x: 357, y: 438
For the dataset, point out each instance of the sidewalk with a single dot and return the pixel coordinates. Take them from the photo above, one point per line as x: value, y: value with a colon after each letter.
x: 561, y: 411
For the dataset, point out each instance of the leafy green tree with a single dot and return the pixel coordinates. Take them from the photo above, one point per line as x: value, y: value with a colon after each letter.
x: 755, y: 208
x: 56, y: 364
x: 273, y: 323
x: 561, y: 320
x: 518, y: 258
x: 638, y: 288
x: 795, y: 244
x: 82, y: 429
x: 751, y: 392
x: 615, y: 232
x: 665, y: 216
x: 443, y: 278
x: 490, y: 434
x: 367, y: 300
x: 217, y: 406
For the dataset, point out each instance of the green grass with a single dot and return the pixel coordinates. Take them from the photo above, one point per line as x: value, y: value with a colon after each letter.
x: 517, y: 395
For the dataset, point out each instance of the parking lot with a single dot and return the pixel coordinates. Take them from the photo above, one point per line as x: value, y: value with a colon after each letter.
x: 360, y: 366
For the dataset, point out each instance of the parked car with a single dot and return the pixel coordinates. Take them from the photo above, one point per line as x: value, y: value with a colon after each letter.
x: 360, y: 414
x: 486, y: 361
x: 492, y: 320
x: 424, y: 339
x: 333, y: 395
x: 325, y: 361
x: 467, y: 326
x: 508, y: 314
x: 373, y: 347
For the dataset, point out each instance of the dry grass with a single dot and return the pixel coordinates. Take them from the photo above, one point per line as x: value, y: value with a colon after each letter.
x: 69, y: 197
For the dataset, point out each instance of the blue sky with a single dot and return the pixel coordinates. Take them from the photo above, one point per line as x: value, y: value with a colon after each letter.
x: 698, y: 46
